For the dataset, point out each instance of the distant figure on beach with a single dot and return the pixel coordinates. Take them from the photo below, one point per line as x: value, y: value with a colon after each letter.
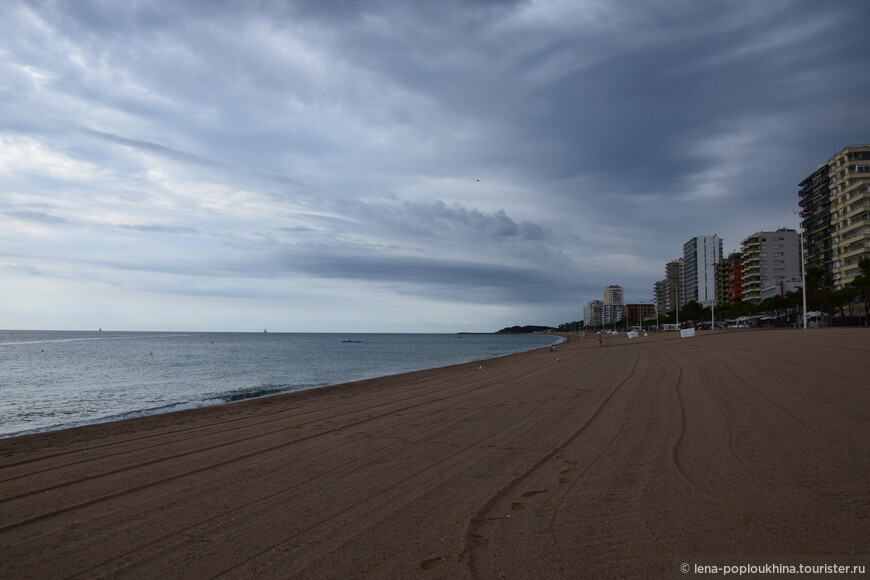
x: 600, y: 340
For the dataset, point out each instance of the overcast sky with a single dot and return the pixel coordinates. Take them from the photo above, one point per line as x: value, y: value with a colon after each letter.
x: 396, y: 166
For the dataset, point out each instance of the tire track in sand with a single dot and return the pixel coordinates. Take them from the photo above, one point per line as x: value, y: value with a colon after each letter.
x: 473, y: 538
x: 494, y: 382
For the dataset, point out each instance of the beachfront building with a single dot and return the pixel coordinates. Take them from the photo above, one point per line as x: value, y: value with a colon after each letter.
x: 729, y: 279
x: 660, y: 294
x: 849, y: 174
x: 613, y: 303
x: 768, y: 258
x: 614, y: 295
x: 592, y: 313
x: 780, y: 288
x: 611, y: 313
x: 674, y: 285
x: 815, y: 203
x: 635, y: 314
x: 700, y: 255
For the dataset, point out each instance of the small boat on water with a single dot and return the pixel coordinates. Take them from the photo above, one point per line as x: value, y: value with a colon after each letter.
x: 351, y: 340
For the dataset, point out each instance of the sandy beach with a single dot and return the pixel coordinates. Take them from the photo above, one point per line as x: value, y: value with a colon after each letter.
x: 591, y: 461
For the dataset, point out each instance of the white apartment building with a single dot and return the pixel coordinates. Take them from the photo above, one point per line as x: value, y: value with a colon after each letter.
x: 613, y: 296
x: 849, y: 172
x: 613, y: 304
x: 700, y: 255
x: 592, y: 313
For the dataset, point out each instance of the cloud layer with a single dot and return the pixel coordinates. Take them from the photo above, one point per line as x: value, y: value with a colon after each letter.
x: 397, y: 166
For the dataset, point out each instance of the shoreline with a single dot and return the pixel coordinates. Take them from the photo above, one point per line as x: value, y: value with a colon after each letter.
x: 187, y: 405
x: 591, y: 461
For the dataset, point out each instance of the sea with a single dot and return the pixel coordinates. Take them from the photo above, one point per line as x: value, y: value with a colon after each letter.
x: 60, y: 379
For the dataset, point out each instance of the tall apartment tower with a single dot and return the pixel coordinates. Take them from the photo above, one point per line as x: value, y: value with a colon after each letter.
x: 592, y: 313
x: 768, y: 258
x: 613, y: 303
x: 729, y: 279
x: 675, y: 285
x: 849, y: 173
x: 835, y: 214
x: 613, y: 296
x: 660, y: 295
x: 815, y: 202
x: 700, y: 255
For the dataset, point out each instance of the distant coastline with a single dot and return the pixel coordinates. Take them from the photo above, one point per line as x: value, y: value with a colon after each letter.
x: 528, y: 329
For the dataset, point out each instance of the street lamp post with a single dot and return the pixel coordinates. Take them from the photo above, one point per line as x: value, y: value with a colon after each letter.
x: 803, y: 269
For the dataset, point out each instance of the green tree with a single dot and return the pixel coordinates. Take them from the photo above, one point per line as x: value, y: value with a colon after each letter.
x: 819, y: 283
x: 843, y: 297
x: 862, y: 284
x: 693, y: 311
x: 778, y: 305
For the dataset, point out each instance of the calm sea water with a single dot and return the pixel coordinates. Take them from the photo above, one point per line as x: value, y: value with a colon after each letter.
x: 52, y: 380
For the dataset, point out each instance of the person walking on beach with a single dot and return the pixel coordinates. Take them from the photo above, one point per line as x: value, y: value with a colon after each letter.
x: 600, y: 340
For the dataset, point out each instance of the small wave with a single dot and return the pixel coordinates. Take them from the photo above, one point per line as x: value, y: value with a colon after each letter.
x: 218, y: 399
x: 119, y: 417
x: 254, y: 393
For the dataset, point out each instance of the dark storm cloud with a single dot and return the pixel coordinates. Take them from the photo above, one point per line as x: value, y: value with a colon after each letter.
x: 438, y: 278
x: 438, y: 220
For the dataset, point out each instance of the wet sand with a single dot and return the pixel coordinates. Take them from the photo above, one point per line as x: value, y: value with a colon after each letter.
x: 588, y: 462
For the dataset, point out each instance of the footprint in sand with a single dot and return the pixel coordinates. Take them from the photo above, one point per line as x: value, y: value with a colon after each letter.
x: 479, y: 540
x: 517, y: 506
x: 432, y: 562
x: 534, y: 492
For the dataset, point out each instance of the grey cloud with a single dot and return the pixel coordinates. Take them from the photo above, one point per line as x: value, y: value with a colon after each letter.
x: 439, y: 220
x: 37, y: 217
x: 445, y: 279
x: 618, y: 130
x: 158, y: 228
x: 25, y: 269
x: 190, y: 158
x: 156, y: 149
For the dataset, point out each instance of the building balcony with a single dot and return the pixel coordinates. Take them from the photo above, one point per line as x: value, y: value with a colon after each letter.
x: 849, y: 230
x: 855, y: 209
x: 856, y: 233
x: 854, y: 250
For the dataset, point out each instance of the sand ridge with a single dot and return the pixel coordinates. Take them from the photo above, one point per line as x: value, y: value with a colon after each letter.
x: 593, y: 461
